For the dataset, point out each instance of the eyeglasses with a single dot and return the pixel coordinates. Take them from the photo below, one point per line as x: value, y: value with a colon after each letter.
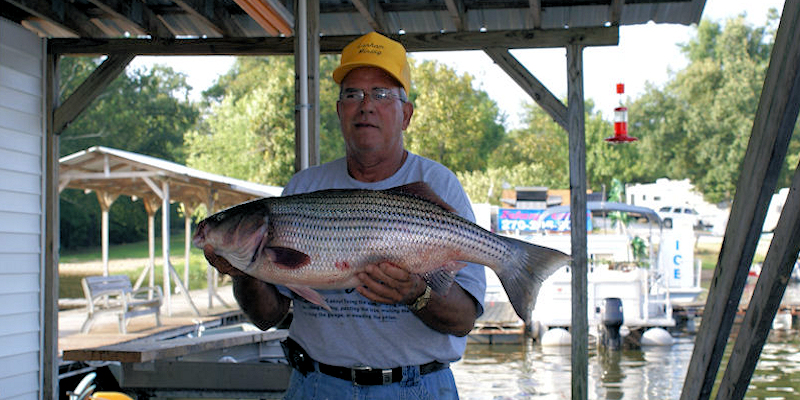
x: 380, y: 95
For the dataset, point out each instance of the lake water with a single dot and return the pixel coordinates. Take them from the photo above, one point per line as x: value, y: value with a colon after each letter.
x: 529, y: 371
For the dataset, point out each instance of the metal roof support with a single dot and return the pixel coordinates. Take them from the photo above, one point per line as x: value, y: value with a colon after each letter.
x: 577, y: 183
x: 307, y: 86
x: 772, y: 129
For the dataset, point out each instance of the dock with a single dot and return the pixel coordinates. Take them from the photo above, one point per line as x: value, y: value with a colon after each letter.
x: 210, y: 352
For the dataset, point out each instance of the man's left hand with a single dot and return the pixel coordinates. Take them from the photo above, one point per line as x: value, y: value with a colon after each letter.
x: 390, y: 284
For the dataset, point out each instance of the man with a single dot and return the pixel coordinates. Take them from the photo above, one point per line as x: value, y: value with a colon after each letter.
x: 392, y: 337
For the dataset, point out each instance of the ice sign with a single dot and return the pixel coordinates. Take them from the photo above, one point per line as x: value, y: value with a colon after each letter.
x: 676, y: 260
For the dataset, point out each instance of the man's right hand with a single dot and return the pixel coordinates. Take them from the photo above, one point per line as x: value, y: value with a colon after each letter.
x: 222, y: 265
x: 260, y: 301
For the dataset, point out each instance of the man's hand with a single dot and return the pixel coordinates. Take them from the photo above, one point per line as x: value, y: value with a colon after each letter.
x: 453, y: 313
x: 222, y: 265
x: 259, y: 300
x: 390, y: 284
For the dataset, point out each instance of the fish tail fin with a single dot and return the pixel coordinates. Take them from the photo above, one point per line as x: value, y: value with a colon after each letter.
x: 522, y: 276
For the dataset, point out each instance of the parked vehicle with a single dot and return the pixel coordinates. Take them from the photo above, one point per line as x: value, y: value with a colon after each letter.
x: 680, y: 214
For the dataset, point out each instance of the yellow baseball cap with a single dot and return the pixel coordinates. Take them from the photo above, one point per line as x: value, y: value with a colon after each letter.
x: 375, y: 50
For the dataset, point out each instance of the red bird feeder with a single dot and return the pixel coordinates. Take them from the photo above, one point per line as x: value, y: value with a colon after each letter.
x: 621, y: 121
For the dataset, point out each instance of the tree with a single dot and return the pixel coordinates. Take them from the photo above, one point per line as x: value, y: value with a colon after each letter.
x: 699, y: 125
x: 143, y: 111
x: 453, y: 123
x: 248, y: 131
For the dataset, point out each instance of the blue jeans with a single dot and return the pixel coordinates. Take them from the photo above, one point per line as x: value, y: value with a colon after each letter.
x: 439, y: 385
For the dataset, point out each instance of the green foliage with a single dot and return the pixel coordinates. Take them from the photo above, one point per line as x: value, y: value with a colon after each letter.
x: 143, y: 111
x: 699, y: 125
x: 249, y: 130
x: 639, y: 248
x: 487, y: 186
x: 453, y: 123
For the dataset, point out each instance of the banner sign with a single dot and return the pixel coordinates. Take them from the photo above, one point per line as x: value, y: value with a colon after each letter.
x: 512, y: 219
x: 519, y: 220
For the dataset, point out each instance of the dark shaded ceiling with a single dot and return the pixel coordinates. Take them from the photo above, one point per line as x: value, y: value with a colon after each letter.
x: 232, y: 26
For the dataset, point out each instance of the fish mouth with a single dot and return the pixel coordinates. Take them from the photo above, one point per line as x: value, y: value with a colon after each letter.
x: 199, y: 238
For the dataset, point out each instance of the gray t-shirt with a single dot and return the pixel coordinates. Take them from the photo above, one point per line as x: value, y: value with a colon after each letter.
x: 359, y: 332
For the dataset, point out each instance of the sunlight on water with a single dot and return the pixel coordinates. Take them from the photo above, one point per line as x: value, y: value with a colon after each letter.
x: 528, y: 371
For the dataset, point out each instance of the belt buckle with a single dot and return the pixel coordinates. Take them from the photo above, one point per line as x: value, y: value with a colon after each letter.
x: 386, y: 374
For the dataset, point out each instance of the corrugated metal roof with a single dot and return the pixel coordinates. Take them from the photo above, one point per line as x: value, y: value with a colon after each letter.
x: 105, y: 169
x: 224, y: 18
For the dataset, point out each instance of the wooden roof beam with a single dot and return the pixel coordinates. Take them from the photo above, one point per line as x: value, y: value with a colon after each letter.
x: 216, y: 18
x: 538, y: 92
x: 271, y: 15
x: 447, y: 41
x: 137, y: 14
x: 615, y: 12
x: 371, y: 11
x: 62, y: 14
x: 89, y: 90
x: 535, y: 13
x: 458, y: 13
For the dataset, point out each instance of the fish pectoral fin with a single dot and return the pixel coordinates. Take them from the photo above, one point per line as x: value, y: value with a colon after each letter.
x: 311, y: 295
x: 287, y: 258
x: 442, y: 278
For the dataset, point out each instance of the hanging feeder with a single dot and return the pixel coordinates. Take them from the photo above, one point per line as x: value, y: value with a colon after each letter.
x: 620, y: 121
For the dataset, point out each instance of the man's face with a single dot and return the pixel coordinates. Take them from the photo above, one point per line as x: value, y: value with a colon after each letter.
x: 371, y: 125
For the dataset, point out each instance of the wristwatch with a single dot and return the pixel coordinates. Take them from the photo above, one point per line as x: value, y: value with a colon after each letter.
x: 421, y: 301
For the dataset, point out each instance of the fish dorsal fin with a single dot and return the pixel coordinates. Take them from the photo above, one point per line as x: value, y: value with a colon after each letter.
x: 423, y: 191
x: 287, y: 258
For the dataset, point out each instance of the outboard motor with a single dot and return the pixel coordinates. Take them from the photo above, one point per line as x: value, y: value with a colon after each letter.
x: 610, y: 321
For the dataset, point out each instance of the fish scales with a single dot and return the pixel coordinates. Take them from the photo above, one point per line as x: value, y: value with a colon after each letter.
x: 380, y: 222
x: 320, y: 240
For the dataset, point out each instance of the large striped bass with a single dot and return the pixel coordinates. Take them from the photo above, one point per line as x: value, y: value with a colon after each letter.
x: 321, y: 240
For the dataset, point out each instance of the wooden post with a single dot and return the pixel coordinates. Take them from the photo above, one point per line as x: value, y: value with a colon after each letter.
x: 165, y: 245
x: 577, y: 183
x: 766, y: 299
x: 772, y: 129
x: 50, y: 355
x: 105, y: 199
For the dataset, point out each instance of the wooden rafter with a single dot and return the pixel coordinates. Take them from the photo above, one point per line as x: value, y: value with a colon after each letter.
x: 69, y: 19
x: 458, y: 13
x: 450, y: 41
x: 137, y: 14
x: 270, y: 15
x: 89, y: 90
x: 204, y: 11
x: 538, y: 92
x: 615, y: 11
x: 535, y: 13
x: 371, y: 11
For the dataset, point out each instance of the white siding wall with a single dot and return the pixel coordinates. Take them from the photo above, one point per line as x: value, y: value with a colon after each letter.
x: 21, y: 215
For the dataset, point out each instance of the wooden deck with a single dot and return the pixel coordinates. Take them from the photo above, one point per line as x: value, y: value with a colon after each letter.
x: 182, y: 320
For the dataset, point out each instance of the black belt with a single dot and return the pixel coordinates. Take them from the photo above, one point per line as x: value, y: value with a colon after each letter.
x: 362, y: 376
x: 365, y: 376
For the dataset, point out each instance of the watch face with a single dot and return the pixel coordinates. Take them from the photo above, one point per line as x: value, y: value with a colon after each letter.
x: 422, y: 301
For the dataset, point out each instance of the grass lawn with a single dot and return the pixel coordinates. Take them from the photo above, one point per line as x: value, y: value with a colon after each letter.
x: 130, y: 259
